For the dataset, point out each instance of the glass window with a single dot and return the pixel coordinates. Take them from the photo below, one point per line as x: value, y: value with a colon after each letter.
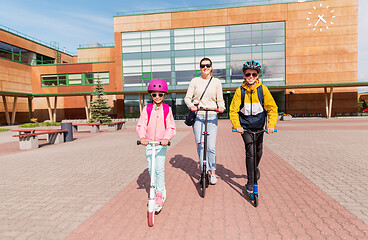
x: 160, y: 40
x: 238, y: 28
x: 132, y: 49
x: 179, y: 60
x: 88, y: 78
x: 160, y: 33
x: 132, y: 69
x: 218, y: 44
x: 131, y: 35
x: 181, y: 46
x: 160, y: 61
x: 160, y: 47
x: 184, y: 39
x: 209, y: 30
x: 161, y: 68
x: 184, y: 32
x: 133, y: 42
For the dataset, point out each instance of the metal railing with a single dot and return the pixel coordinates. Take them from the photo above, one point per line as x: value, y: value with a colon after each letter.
x: 212, y: 6
x: 96, y: 45
x: 15, y: 32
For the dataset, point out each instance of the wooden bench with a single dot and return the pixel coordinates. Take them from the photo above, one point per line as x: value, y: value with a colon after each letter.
x: 114, y: 126
x: 95, y: 127
x: 28, y: 138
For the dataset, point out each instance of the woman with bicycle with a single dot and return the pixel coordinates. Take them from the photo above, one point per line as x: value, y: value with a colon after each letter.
x: 248, y: 110
x: 206, y: 92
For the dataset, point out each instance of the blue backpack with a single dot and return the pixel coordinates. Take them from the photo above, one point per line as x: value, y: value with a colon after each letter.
x: 253, y: 121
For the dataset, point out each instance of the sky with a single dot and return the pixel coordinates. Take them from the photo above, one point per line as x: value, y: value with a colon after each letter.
x: 72, y: 23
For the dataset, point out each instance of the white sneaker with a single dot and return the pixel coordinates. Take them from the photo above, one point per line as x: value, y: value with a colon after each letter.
x: 213, y: 179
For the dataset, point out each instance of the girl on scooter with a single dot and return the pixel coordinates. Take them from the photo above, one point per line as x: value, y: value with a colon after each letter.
x: 156, y: 123
x: 212, y: 99
x: 251, y: 115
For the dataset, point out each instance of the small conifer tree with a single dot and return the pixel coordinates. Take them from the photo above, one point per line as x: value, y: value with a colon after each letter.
x: 99, y: 107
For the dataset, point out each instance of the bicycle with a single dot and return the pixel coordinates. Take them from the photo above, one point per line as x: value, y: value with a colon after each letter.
x: 204, y: 176
x: 152, y: 207
x: 254, y: 195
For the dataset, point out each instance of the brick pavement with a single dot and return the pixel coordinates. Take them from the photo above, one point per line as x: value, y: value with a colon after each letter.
x: 84, y: 189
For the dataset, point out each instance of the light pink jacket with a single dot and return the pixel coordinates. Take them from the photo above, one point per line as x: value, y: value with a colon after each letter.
x: 155, y: 131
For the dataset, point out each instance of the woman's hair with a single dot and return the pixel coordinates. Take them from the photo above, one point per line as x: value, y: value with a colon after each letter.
x: 207, y: 59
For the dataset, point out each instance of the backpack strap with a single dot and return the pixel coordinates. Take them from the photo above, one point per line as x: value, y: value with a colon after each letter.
x: 259, y: 93
x: 166, y: 109
x: 149, y: 110
x: 242, y: 97
x: 166, y: 112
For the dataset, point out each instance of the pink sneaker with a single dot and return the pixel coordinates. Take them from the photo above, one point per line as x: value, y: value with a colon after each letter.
x: 159, y: 200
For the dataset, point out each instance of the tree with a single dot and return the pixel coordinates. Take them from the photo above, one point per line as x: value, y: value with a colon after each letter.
x: 100, y: 107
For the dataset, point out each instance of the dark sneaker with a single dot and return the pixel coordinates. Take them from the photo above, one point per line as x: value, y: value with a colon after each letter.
x: 258, y: 174
x: 249, y: 188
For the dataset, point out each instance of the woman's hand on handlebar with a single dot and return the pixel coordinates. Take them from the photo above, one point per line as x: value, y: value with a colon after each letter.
x: 164, y: 142
x: 144, y: 142
x: 240, y: 130
x: 193, y: 108
x: 220, y: 109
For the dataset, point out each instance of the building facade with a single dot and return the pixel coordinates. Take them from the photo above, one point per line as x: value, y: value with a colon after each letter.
x: 296, y: 42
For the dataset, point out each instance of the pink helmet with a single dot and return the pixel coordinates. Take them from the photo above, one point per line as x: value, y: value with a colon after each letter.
x: 158, y: 85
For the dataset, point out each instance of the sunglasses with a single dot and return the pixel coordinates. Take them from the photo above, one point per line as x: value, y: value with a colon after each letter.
x: 251, y: 74
x: 205, y: 65
x: 155, y: 95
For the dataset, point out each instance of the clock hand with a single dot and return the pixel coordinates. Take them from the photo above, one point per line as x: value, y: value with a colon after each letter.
x: 317, y: 22
x: 321, y: 17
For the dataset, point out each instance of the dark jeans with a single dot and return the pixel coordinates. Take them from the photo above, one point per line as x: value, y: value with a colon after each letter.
x: 248, y: 142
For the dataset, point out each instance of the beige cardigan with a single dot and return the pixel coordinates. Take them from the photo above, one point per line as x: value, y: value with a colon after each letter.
x: 213, y: 98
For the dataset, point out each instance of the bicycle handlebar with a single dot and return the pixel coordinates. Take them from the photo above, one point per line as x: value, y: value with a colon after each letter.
x: 159, y: 143
x: 245, y: 130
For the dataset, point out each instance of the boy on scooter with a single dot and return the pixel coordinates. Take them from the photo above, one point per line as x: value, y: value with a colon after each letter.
x: 251, y: 105
x: 157, y: 124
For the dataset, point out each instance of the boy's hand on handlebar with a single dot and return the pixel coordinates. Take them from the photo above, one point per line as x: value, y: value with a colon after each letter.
x: 239, y: 130
x: 221, y: 109
x: 144, y: 141
x: 270, y: 130
x: 193, y: 109
x: 164, y: 142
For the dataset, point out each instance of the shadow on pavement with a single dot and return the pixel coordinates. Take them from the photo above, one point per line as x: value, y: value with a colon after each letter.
x: 143, y: 180
x: 190, y: 167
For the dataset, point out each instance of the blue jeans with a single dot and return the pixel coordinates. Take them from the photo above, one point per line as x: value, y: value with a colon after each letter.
x: 159, y: 167
x: 198, y: 129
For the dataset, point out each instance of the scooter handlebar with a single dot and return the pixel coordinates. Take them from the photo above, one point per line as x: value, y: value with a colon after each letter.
x: 208, y: 109
x: 139, y: 143
x: 244, y: 130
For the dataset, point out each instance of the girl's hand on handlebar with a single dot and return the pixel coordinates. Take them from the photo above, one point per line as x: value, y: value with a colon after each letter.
x: 144, y: 141
x: 164, y: 142
x: 239, y: 130
x: 193, y: 109
x: 270, y: 130
x: 221, y: 109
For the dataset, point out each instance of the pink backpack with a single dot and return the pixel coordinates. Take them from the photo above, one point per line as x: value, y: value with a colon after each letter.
x: 149, y: 110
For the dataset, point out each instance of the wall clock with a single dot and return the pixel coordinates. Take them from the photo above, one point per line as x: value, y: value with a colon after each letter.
x: 320, y: 17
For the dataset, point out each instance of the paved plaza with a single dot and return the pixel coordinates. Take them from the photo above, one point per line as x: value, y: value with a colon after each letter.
x: 313, y: 185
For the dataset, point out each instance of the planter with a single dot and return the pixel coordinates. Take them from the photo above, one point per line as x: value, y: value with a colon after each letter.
x: 286, y: 118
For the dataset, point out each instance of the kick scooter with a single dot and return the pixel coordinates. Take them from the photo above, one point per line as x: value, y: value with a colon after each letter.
x: 204, y: 176
x: 254, y: 196
x: 152, y: 207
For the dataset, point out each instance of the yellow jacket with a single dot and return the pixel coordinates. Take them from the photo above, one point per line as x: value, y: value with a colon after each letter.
x: 252, y: 106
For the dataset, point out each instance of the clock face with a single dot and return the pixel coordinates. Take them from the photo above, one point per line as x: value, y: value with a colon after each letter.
x: 320, y: 17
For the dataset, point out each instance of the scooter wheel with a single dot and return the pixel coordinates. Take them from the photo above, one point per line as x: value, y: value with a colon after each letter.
x: 256, y: 201
x: 151, y: 219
